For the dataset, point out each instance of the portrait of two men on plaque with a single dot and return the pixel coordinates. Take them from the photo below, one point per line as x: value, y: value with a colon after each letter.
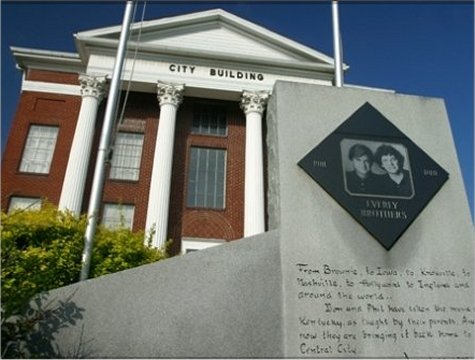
x: 375, y: 168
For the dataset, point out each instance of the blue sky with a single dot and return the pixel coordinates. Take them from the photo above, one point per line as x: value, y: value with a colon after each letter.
x: 418, y: 48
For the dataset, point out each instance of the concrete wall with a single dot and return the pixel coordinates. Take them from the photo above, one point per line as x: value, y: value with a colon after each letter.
x: 220, y: 302
x: 336, y: 303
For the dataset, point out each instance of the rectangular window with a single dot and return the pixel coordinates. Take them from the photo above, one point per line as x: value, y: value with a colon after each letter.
x: 39, y: 149
x: 206, y: 178
x: 209, y: 120
x: 25, y: 203
x: 127, y: 156
x: 118, y: 216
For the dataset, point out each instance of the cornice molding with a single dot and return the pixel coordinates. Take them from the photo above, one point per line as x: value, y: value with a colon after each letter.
x: 52, y: 88
x: 205, y: 77
x: 27, y: 58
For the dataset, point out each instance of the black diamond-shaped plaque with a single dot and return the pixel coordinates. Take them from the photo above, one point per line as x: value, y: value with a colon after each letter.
x: 376, y: 173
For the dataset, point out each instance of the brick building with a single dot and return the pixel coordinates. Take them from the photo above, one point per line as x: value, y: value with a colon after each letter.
x: 189, y: 153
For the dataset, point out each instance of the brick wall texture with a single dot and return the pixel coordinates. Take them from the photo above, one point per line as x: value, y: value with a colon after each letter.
x: 141, y: 116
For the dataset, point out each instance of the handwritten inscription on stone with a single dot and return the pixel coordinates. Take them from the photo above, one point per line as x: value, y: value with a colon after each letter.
x: 354, y: 307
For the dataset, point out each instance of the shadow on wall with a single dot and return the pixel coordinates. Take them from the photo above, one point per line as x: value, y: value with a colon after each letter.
x: 32, y: 334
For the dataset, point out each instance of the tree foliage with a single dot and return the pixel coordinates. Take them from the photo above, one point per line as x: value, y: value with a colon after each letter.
x: 42, y: 250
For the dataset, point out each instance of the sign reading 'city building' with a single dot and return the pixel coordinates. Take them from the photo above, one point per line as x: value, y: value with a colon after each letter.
x: 381, y: 177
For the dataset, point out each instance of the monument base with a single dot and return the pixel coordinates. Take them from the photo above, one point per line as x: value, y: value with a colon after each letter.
x: 346, y: 293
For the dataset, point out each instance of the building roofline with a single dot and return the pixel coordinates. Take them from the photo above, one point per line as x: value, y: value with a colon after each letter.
x: 213, y: 55
x: 47, y: 59
x: 82, y: 38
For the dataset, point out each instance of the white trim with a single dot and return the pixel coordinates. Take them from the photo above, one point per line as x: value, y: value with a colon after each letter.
x: 211, y: 55
x: 27, y: 58
x: 148, y: 69
x: 198, y: 244
x: 370, y: 88
x: 52, y: 88
x: 31, y: 203
x: 209, y: 16
x: 46, y: 54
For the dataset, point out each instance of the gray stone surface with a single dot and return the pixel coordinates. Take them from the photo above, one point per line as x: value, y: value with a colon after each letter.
x: 316, y: 285
x: 367, y: 318
x: 219, y: 302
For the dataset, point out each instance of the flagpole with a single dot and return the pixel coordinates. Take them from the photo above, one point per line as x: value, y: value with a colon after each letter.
x: 104, y: 145
x: 337, y: 46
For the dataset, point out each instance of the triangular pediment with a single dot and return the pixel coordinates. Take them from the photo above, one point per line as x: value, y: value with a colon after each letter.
x: 213, y: 31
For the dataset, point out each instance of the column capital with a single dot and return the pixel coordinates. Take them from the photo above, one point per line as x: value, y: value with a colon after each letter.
x: 170, y: 93
x: 93, y: 85
x: 254, y: 101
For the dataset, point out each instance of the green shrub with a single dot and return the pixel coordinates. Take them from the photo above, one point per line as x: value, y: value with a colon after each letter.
x: 42, y: 250
x: 120, y: 249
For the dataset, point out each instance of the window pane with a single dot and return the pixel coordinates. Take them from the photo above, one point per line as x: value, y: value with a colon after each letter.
x: 213, y: 126
x: 209, y: 120
x: 206, y: 178
x: 39, y: 149
x: 126, y: 156
x: 27, y: 203
x: 222, y: 125
x: 118, y: 216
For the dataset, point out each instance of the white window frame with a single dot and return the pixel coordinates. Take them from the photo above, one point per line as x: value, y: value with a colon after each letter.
x: 189, y: 183
x: 122, y: 221
x: 39, y: 149
x: 24, y: 203
x: 121, y: 157
x: 189, y: 245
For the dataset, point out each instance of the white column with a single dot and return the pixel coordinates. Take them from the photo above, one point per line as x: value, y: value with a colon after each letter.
x: 92, y: 90
x: 169, y: 97
x: 253, y: 105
